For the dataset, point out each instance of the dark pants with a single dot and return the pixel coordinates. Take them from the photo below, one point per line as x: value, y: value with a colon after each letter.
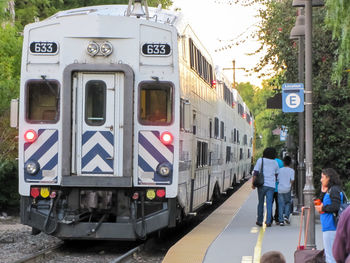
x: 275, y: 199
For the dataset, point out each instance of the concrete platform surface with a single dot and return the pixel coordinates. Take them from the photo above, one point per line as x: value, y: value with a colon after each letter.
x: 244, y: 242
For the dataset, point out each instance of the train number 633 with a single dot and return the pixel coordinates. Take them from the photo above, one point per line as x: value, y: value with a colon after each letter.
x: 156, y: 49
x: 43, y: 48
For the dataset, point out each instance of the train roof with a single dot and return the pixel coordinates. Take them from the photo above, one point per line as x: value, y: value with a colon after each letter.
x: 155, y: 14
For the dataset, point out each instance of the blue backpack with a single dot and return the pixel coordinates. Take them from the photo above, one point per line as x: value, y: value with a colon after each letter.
x: 344, y: 203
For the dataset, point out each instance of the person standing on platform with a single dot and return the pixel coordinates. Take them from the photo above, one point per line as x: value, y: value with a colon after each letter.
x: 270, y: 170
x: 285, y: 181
x: 275, y: 194
x: 330, y: 197
x: 341, y: 245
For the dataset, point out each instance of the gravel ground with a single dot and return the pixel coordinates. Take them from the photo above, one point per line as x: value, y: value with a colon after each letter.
x: 17, y: 242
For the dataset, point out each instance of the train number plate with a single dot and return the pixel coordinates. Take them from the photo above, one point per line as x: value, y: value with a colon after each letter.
x: 48, y: 48
x: 156, y: 49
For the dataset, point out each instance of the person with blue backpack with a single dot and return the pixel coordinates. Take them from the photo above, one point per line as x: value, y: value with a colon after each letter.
x: 331, y: 199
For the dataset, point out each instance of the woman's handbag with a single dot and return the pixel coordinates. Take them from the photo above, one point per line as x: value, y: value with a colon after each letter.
x: 259, y: 179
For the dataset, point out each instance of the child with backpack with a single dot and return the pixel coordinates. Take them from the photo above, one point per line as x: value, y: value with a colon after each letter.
x: 285, y: 181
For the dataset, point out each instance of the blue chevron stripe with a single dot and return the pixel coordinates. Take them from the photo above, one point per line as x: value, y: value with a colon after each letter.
x: 144, y: 165
x: 40, y: 131
x: 96, y: 150
x: 52, y: 163
x: 87, y: 135
x: 26, y: 145
x: 170, y: 147
x: 151, y: 149
x: 45, y: 147
x: 109, y: 136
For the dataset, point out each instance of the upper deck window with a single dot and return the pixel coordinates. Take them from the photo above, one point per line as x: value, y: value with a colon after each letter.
x: 156, y: 103
x: 42, y: 105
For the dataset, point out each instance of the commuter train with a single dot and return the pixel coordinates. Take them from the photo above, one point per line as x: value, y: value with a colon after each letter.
x: 125, y: 126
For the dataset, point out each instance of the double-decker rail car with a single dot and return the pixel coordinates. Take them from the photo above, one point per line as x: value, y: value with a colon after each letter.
x: 125, y: 126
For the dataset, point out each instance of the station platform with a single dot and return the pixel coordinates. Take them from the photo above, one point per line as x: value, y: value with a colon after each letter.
x: 230, y: 235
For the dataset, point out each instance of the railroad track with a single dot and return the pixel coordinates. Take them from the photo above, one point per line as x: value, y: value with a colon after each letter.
x: 127, y: 255
x: 42, y: 255
x: 51, y: 253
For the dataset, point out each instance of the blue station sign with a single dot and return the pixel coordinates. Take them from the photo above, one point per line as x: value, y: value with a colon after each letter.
x: 293, y: 97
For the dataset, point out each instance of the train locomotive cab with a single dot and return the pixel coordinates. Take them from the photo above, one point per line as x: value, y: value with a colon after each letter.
x: 97, y: 125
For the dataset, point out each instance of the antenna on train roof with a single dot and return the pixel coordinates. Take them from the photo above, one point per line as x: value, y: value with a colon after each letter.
x: 137, y: 8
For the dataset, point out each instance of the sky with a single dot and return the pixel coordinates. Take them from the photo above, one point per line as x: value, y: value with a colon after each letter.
x: 225, y: 30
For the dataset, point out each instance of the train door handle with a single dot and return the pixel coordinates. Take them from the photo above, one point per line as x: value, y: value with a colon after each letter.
x: 109, y: 127
x: 110, y: 158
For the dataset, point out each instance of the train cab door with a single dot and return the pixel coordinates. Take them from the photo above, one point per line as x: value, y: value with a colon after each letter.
x: 98, y: 115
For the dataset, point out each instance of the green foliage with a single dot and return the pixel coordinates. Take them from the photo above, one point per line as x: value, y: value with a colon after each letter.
x: 9, y: 197
x: 330, y: 103
x: 10, y: 65
x: 338, y: 20
x: 347, y: 189
x: 28, y: 10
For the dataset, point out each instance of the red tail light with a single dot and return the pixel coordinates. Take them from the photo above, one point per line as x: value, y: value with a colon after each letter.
x: 30, y: 136
x: 34, y: 192
x: 166, y: 138
x: 160, y: 193
x: 135, y: 196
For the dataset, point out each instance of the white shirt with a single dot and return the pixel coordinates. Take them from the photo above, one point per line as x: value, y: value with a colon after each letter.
x: 270, y: 169
x: 285, y: 177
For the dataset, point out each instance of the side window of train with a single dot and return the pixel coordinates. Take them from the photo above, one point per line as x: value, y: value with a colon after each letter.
x: 95, y: 102
x: 156, y: 103
x: 42, y: 104
x: 245, y: 139
x: 240, y: 153
x: 228, y: 154
x: 216, y: 127
x: 210, y: 128
x: 202, y: 154
x: 222, y: 130
x: 194, y: 121
x: 182, y: 115
x: 234, y: 136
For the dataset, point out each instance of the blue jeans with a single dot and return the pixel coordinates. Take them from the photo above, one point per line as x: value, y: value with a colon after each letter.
x: 284, y: 202
x: 328, y: 239
x: 262, y: 192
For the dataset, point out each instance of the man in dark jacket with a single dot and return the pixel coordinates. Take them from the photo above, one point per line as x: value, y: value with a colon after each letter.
x: 341, y: 245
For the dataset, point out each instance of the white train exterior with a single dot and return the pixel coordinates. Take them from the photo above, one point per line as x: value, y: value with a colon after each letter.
x: 124, y: 125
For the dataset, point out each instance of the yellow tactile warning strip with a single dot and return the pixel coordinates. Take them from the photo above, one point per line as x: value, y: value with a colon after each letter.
x: 257, y: 249
x: 192, y: 247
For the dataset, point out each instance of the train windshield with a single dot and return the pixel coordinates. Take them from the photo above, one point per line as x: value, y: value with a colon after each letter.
x: 156, y: 103
x: 42, y: 101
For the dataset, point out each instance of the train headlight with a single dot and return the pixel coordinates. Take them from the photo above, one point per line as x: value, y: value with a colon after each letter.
x: 106, y: 48
x: 164, y: 169
x: 31, y: 167
x: 92, y: 48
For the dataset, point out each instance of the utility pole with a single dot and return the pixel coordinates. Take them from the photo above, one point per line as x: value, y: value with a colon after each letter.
x: 234, y: 72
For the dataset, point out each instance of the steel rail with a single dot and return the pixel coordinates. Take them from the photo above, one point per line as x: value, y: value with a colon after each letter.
x: 41, y: 255
x: 127, y: 254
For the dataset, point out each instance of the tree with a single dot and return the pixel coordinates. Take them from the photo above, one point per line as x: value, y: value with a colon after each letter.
x: 330, y: 102
x: 338, y: 20
x: 28, y: 10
